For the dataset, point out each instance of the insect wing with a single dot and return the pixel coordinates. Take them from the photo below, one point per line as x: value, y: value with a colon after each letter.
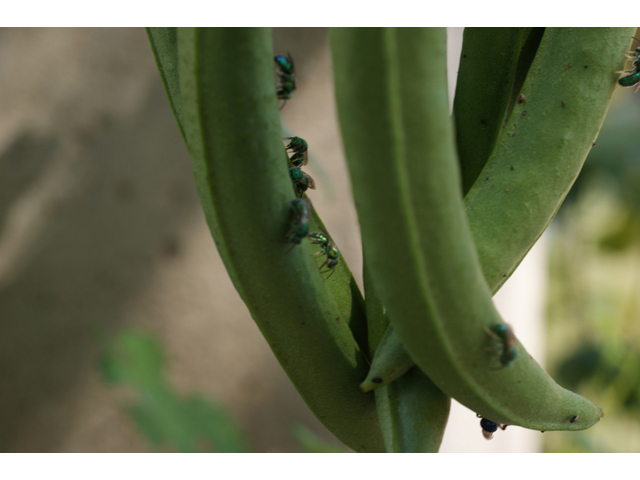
x: 290, y: 59
x: 310, y: 182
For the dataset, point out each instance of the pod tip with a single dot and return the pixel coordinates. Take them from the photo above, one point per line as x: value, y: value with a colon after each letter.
x: 364, y: 387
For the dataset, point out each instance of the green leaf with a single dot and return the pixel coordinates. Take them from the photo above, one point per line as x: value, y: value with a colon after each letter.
x: 191, y: 424
x: 214, y: 424
x: 134, y: 358
x: 310, y: 442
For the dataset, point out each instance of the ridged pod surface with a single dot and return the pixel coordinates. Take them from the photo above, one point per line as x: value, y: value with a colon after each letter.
x: 390, y: 362
x: 391, y: 90
x: 544, y: 144
x: 495, y: 62
x: 232, y: 128
x: 164, y: 44
x: 412, y: 411
x: 392, y: 359
x: 486, y: 77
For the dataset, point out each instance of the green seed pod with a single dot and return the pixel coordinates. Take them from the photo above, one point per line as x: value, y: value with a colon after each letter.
x: 412, y: 411
x: 494, y: 61
x: 486, y: 79
x: 397, y: 133
x: 543, y: 145
x: 393, y: 357
x: 164, y: 44
x: 234, y: 118
x: 390, y: 362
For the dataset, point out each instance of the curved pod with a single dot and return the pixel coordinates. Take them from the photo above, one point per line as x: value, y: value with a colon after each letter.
x: 234, y: 139
x: 391, y: 89
x: 412, y: 412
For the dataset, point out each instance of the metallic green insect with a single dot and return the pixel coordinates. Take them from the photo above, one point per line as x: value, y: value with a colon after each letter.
x: 288, y: 85
x: 333, y: 258
x: 299, y: 147
x: 632, y: 76
x: 501, y: 332
x: 630, y: 80
x: 299, y: 226
x: 321, y: 239
x: 301, y: 181
x: 489, y: 427
x: 285, y: 72
x: 328, y: 249
x: 284, y: 63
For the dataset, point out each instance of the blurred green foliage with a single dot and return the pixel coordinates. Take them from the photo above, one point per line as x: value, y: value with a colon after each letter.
x: 594, y: 306
x: 311, y: 443
x: 186, y: 424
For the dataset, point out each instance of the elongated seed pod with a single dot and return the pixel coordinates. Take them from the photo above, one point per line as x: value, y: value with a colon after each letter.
x: 486, y: 76
x: 507, y: 240
x: 164, y: 44
x: 412, y: 412
x: 529, y: 47
x: 391, y: 361
x: 230, y: 117
x: 544, y: 144
x: 343, y: 287
x: 490, y: 73
x: 346, y: 293
x: 493, y: 66
x: 398, y: 138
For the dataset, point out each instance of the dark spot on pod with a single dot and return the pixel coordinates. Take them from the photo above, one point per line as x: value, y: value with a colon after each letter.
x: 511, y: 167
x: 513, y: 134
x: 524, y: 113
x: 337, y: 319
x: 376, y: 380
x: 541, y: 431
x: 487, y: 178
x: 573, y: 419
x: 464, y: 56
x: 521, y: 98
x: 586, y: 66
x: 594, y: 144
x: 504, y: 275
x: 562, y: 103
x: 483, y: 122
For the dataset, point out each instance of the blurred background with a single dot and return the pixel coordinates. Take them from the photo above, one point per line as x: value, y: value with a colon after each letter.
x: 120, y: 329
